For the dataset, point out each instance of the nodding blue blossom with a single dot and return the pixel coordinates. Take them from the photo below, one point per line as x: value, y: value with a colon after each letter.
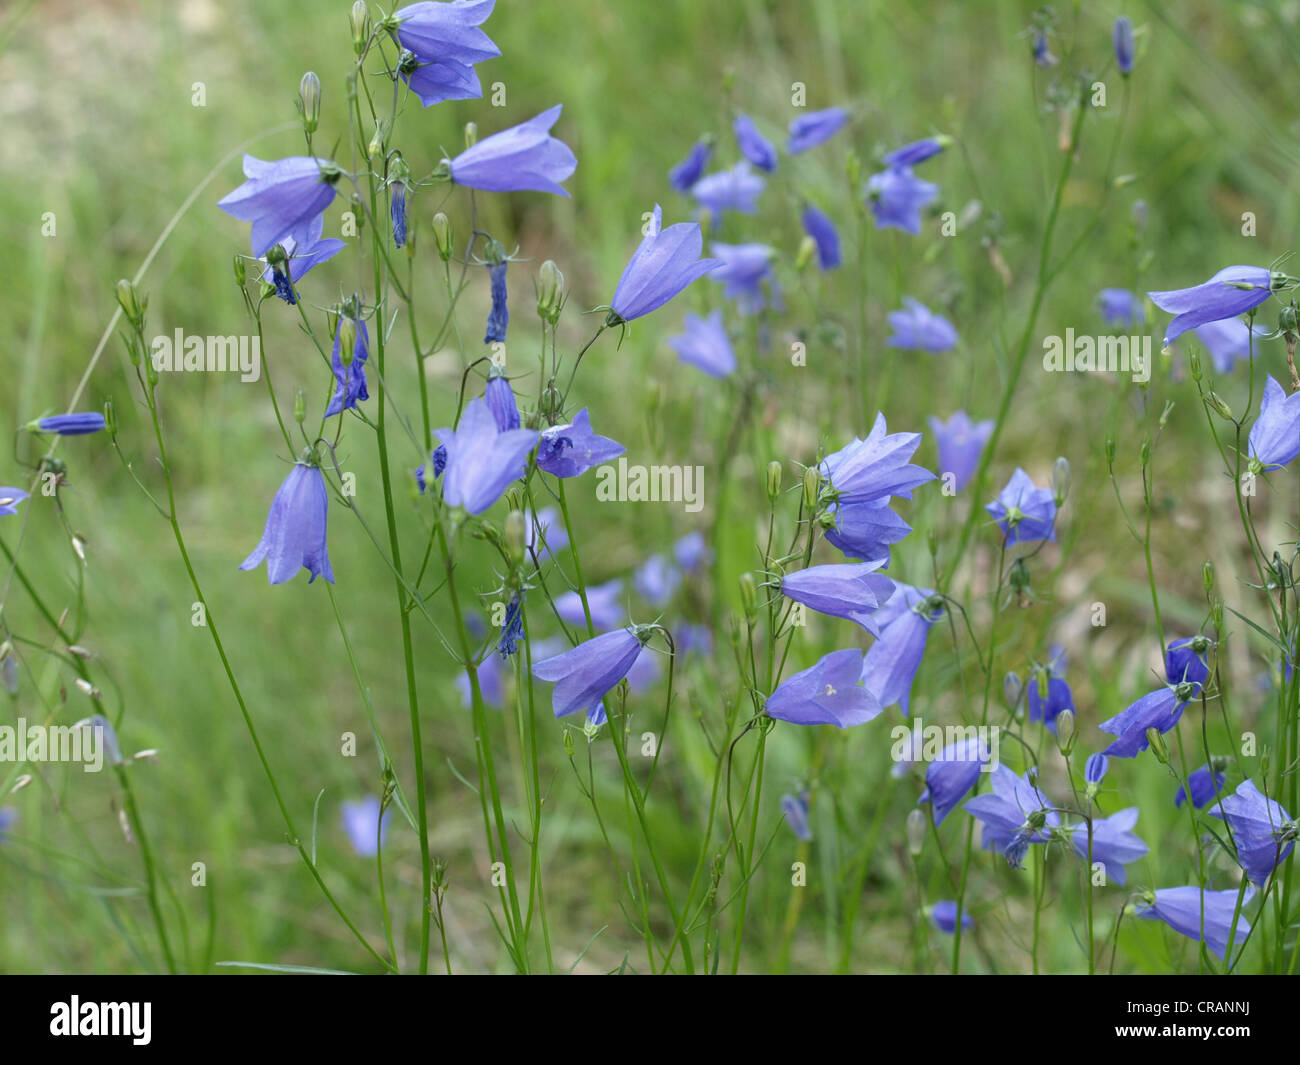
x: 705, y: 344
x: 1159, y: 710
x: 1024, y: 512
x: 735, y: 189
x: 1124, y: 45
x: 499, y: 315
x: 795, y: 810
x: 10, y: 498
x: 397, y: 211
x: 917, y: 328
x: 1047, y: 691
x: 444, y: 43
x: 944, y: 916
x: 644, y: 671
x: 656, y: 580
x: 808, y: 131
x: 753, y: 145
x: 1263, y: 831
x: 1042, y: 53
x: 603, y: 600
x: 665, y: 262
x: 1185, y: 660
x: 363, y: 825
x: 841, y: 590
x: 950, y: 775
x: 500, y: 398
x: 491, y: 683
x: 512, y: 628
x: 1120, y: 307
x: 828, y: 693
x: 825, y: 237
x: 1094, y: 772
x: 903, y: 624
x: 282, y: 199
x: 1229, y: 341
x: 1275, y: 436
x: 294, y: 537
x: 960, y: 443
x: 285, y: 268
x: 896, y: 197
x: 587, y: 673
x: 1114, y: 843
x: 350, y: 380
x: 691, y: 552
x: 1233, y: 291
x: 916, y: 152
x: 523, y: 158
x: 1187, y: 909
x: 439, y: 462
x: 481, y: 459
x: 544, y: 532
x: 70, y: 424
x: 743, y: 270
x: 572, y: 449
x: 1206, y: 783
x: 1014, y: 815
x: 685, y: 174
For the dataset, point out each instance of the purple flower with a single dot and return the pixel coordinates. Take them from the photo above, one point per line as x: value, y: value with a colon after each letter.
x: 916, y: 152
x: 1182, y: 909
x: 666, y: 261
x: 828, y: 693
x: 512, y: 627
x: 1262, y: 830
x: 705, y: 345
x: 960, y: 442
x: 808, y: 131
x: 1185, y: 660
x: 481, y: 459
x: 1042, y: 54
x: 1228, y: 341
x: 71, y: 424
x: 1159, y: 710
x: 1048, y: 693
x: 644, y: 671
x: 686, y: 173
x: 841, y: 590
x: 692, y: 552
x: 1119, y: 307
x: 1232, y: 291
x: 350, y: 380
x: 896, y: 197
x: 10, y: 498
x: 603, y: 600
x: 944, y: 916
x: 587, y: 673
x: 1094, y: 770
x: 573, y: 449
x: 294, y: 536
x: 1024, y: 512
x: 736, y: 189
x: 917, y: 328
x: 500, y: 398
x: 1113, y: 842
x: 904, y: 624
x: 1275, y: 436
x: 1123, y: 40
x: 499, y: 315
x: 1014, y: 815
x: 397, y: 212
x: 656, y: 580
x: 361, y: 821
x: 743, y: 269
x: 753, y: 145
x: 282, y: 199
x: 950, y: 776
x: 1206, y: 783
x: 795, y: 810
x: 444, y: 43
x: 284, y: 271
x: 822, y: 230
x: 522, y: 158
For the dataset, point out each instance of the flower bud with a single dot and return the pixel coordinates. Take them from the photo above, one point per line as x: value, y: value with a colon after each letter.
x: 568, y: 743
x: 110, y: 418
x: 129, y: 300
x: 1207, y: 577
x: 442, y: 235
x: 377, y: 139
x: 748, y: 593
x: 360, y: 20
x: 550, y: 292
x: 812, y: 480
x: 1194, y: 362
x: 773, y: 482
x: 347, y: 340
x: 299, y: 405
x: 1061, y: 479
x: 309, y: 101
x: 932, y: 543
x: 807, y: 248
x: 1158, y: 747
x: 471, y: 134
x: 1065, y: 730
x: 241, y: 271
x: 516, y: 536
x: 1012, y: 688
x: 915, y: 832
x: 1220, y: 407
x: 853, y: 168
x: 1110, y: 451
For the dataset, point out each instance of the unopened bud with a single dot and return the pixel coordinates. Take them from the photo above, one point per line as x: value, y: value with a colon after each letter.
x: 1194, y: 363
x: 550, y: 292
x: 1158, y: 748
x: 471, y: 134
x: 309, y: 101
x: 129, y: 300
x: 812, y: 480
x: 1065, y: 730
x: 1012, y: 688
x: 915, y: 832
x: 299, y: 405
x: 516, y: 536
x: 1061, y: 479
x: 347, y: 340
x: 748, y: 593
x: 110, y: 418
x: 807, y: 248
x: 568, y: 743
x: 241, y: 271
x: 1207, y: 576
x: 360, y: 20
x: 773, y: 481
x: 1220, y: 407
x: 377, y: 139
x: 442, y: 235
x: 1110, y: 451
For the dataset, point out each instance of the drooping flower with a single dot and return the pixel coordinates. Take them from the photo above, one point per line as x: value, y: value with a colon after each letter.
x: 1206, y: 783
x: 1094, y: 772
x: 10, y: 498
x: 686, y: 173
x: 1124, y: 45
x: 795, y: 810
x: 444, y: 42
x: 960, y: 442
x: 282, y: 199
x: 896, y: 197
x: 952, y: 774
x: 1228, y: 341
x: 1042, y: 52
x: 481, y: 459
x: 1183, y: 908
x: 1185, y: 660
x: 1024, y: 512
x: 808, y: 131
x: 1261, y: 828
x: 362, y: 823
x: 499, y: 315
x: 1014, y: 815
x: 822, y: 230
x: 917, y: 328
x: 903, y: 623
x: 523, y: 158
x: 742, y: 271
x: 1159, y: 710
x: 573, y: 449
x: 842, y: 590
x: 1047, y: 691
x: 69, y: 424
x: 916, y: 152
x: 500, y: 398
x: 705, y: 344
x: 666, y: 261
x: 1233, y: 291
x: 944, y: 916
x: 285, y: 268
x: 753, y: 145
x: 294, y: 537
x: 656, y: 580
x: 588, y: 672
x: 1114, y: 843
x: 350, y: 380
x: 828, y: 693
x: 735, y: 189
x: 397, y: 211
x: 1120, y: 307
x: 512, y: 627
x: 1275, y: 436
x: 603, y: 600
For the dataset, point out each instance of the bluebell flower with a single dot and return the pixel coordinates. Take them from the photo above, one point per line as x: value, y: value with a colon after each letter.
x: 361, y: 821
x: 10, y: 498
x: 499, y: 315
x: 960, y: 444
x: 1228, y: 341
x: 743, y: 270
x: 1206, y: 783
x: 1014, y: 815
x: 1233, y: 291
x: 1048, y: 693
x: 500, y: 398
x: 481, y: 459
x: 587, y: 673
x: 1124, y: 45
x: 522, y: 158
x: 70, y: 424
x: 285, y: 269
x: 1024, y: 512
x: 656, y: 580
x: 666, y: 261
x: 350, y: 380
x: 686, y: 173
x: 1114, y: 843
x: 916, y: 152
x: 572, y: 449
x: 808, y: 131
x: 294, y: 537
x: 1263, y: 831
x: 603, y: 600
x: 397, y: 211
x: 512, y: 628
x: 282, y: 199
x: 1185, y: 660
x: 439, y: 462
x: 1042, y: 53
x: 644, y: 671
x: 795, y: 810
x: 1159, y: 710
x: 1183, y: 908
x: 944, y: 916
x: 904, y: 623
x: 1120, y: 307
x: 952, y: 774
x: 917, y: 328
x: 753, y: 145
x: 841, y: 590
x: 691, y: 552
x: 1094, y: 772
x: 445, y: 42
x: 828, y: 693
x: 822, y: 230
x: 896, y: 197
x: 491, y: 683
x: 1275, y: 436
x: 735, y: 189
